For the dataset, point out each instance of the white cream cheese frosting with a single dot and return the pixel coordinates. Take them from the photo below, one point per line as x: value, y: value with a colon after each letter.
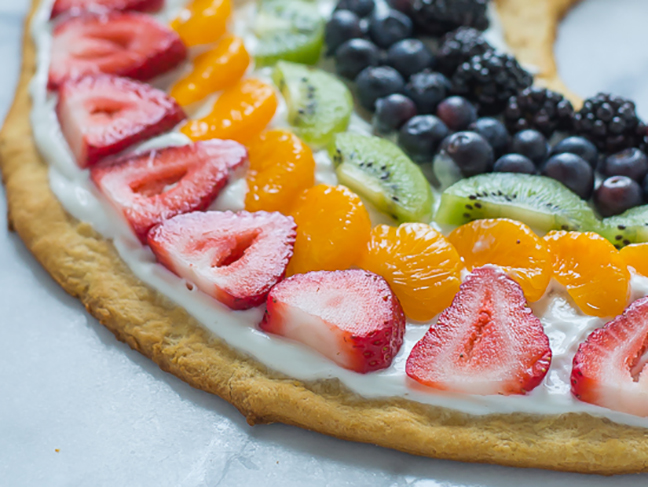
x: 563, y: 322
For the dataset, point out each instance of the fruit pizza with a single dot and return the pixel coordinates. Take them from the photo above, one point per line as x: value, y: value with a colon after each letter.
x: 366, y: 218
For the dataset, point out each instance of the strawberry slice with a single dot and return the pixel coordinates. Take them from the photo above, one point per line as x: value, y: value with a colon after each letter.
x: 487, y: 342
x: 234, y: 257
x: 154, y: 186
x: 610, y: 367
x: 128, y: 44
x: 76, y: 7
x: 351, y: 317
x: 101, y: 115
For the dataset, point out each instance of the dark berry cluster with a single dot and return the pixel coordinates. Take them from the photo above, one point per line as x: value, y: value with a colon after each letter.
x: 436, y: 17
x: 458, y: 47
x: 611, y: 122
x: 540, y: 109
x: 377, y: 49
x: 432, y: 95
x: 490, y: 79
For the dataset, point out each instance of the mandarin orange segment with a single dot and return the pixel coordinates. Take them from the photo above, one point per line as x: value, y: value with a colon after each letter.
x: 203, y: 21
x: 636, y: 256
x: 333, y: 228
x: 213, y: 71
x: 421, y: 265
x: 510, y: 245
x: 281, y: 168
x: 239, y: 114
x: 592, y: 270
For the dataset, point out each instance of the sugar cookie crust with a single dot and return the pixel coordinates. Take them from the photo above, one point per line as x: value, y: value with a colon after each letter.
x: 88, y: 267
x: 530, y: 28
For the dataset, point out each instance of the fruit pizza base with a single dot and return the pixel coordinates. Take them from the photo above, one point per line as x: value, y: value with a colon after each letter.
x: 88, y: 267
x: 530, y: 29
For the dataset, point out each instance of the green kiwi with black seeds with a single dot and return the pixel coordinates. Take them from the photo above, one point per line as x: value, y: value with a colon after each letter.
x: 627, y: 228
x: 319, y: 104
x: 542, y: 203
x: 378, y: 170
x: 292, y: 30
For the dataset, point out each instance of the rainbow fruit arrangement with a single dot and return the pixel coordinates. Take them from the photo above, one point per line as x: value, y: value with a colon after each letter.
x: 350, y: 287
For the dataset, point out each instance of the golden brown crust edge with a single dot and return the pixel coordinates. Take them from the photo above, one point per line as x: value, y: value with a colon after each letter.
x: 530, y: 28
x: 88, y: 267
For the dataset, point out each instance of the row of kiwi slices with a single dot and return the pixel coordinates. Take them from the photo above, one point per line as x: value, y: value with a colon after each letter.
x: 320, y: 106
x: 319, y: 109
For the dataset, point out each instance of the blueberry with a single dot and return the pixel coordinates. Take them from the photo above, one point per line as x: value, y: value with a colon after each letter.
x: 361, y: 8
x: 355, y: 55
x: 532, y: 144
x: 344, y: 25
x: 629, y: 162
x: 457, y: 113
x: 616, y: 195
x: 421, y: 135
x: 387, y: 28
x: 392, y: 112
x: 377, y: 82
x: 427, y: 89
x: 573, y: 171
x: 579, y: 146
x: 409, y: 56
x: 469, y: 151
x: 514, y: 163
x: 494, y: 132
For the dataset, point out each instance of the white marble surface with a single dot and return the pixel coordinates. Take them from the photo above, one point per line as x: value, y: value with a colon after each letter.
x: 602, y: 46
x: 79, y: 408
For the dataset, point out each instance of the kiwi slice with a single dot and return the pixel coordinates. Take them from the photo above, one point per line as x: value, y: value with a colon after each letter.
x: 288, y: 29
x: 319, y: 104
x: 627, y: 228
x: 378, y: 170
x: 542, y: 203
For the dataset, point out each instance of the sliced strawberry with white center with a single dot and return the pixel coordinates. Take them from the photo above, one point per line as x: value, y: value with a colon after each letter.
x: 351, y: 317
x: 101, y: 115
x: 76, y: 7
x: 154, y: 186
x: 487, y: 342
x: 128, y: 44
x: 610, y: 368
x: 234, y: 257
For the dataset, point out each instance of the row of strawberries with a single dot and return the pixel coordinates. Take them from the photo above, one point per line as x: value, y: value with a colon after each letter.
x: 487, y: 342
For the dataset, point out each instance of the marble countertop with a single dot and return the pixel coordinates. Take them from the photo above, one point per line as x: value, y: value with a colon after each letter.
x: 79, y: 408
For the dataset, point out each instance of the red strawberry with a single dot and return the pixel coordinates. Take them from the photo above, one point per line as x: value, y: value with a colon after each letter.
x: 76, y: 7
x: 101, y: 115
x: 487, y: 342
x: 609, y: 369
x: 130, y: 44
x: 137, y: 184
x: 234, y: 257
x: 351, y: 317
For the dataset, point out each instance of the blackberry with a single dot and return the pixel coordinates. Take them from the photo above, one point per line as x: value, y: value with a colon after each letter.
x: 540, y: 109
x: 489, y: 80
x: 459, y: 46
x: 610, y: 122
x: 436, y: 17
